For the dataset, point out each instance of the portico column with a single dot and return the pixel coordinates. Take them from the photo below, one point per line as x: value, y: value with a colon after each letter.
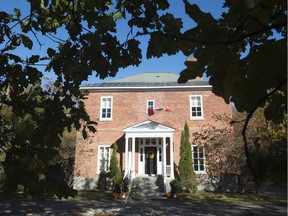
x: 171, y: 157
x: 126, y: 155
x: 133, y: 158
x: 164, y: 156
x: 164, y: 164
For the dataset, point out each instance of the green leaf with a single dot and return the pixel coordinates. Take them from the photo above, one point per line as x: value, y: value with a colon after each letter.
x: 34, y: 59
x: 106, y: 23
x: 197, y: 15
x: 5, y: 17
x: 26, y: 26
x: 84, y: 133
x: 276, y: 108
x: 193, y: 70
x: 51, y: 52
x: 27, y: 42
x: 15, y: 58
x: 171, y: 24
x: 39, y: 110
x: 17, y: 12
x: 118, y: 15
x: 155, y: 48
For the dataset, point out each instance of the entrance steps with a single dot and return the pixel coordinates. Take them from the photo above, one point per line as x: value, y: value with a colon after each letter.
x: 149, y: 187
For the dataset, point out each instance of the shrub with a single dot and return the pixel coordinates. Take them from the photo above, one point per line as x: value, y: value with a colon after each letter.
x: 187, y: 177
x: 175, y: 187
x: 115, y: 172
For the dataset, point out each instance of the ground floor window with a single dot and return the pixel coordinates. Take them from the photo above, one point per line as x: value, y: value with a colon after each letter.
x: 198, y: 158
x: 103, y: 158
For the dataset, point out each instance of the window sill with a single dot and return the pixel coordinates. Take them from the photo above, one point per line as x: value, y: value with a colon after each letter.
x: 200, y: 172
x: 105, y: 120
x: 99, y: 173
x: 197, y: 119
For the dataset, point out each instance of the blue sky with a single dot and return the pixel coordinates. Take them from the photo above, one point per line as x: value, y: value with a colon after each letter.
x: 174, y: 64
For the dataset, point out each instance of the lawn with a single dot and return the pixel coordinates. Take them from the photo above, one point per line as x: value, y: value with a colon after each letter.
x: 237, y: 198
x: 200, y: 196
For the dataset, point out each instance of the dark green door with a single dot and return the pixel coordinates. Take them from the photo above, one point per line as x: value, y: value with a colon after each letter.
x: 150, y: 160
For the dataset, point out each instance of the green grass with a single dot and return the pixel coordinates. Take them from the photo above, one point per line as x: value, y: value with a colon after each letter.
x: 247, y: 199
x: 81, y: 195
x: 92, y: 195
x: 201, y: 196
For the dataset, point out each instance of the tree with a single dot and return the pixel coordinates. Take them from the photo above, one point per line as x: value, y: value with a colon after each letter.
x: 67, y: 154
x: 37, y: 168
x: 267, y: 143
x: 232, y: 50
x: 224, y: 156
x: 267, y: 147
x: 115, y: 171
x: 187, y: 177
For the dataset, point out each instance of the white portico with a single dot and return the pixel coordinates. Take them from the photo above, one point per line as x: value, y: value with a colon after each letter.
x: 149, y: 150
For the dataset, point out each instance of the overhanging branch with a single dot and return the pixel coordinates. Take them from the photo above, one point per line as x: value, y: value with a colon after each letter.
x: 228, y: 42
x: 248, y: 118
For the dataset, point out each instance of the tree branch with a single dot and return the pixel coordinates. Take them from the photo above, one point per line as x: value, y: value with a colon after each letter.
x: 249, y: 116
x: 244, y: 36
x: 36, y: 37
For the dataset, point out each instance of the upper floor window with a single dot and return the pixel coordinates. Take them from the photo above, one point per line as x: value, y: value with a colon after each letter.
x: 198, y: 158
x: 150, y: 104
x: 106, y: 108
x: 103, y: 159
x: 196, y: 107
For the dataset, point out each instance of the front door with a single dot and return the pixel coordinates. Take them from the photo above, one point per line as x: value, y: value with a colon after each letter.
x: 150, y: 160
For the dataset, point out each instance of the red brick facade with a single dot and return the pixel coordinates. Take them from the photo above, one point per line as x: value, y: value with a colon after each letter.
x: 130, y: 108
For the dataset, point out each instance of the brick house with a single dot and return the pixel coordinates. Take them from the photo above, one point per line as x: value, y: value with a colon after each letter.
x: 147, y: 145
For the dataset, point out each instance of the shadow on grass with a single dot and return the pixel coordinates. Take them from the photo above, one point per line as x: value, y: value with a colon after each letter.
x: 202, y: 203
x: 92, y: 195
x: 81, y: 195
x: 236, y: 198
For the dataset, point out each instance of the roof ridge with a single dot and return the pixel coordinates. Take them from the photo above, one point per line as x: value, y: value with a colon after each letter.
x: 169, y: 84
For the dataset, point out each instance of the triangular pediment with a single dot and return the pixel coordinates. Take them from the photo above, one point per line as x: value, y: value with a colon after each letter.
x: 149, y: 126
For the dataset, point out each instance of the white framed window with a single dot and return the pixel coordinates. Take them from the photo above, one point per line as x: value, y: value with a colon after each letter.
x: 150, y: 104
x: 103, y: 159
x: 196, y: 107
x: 106, y: 108
x: 198, y: 156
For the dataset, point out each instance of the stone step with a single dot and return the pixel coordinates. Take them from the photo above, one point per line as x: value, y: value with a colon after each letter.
x: 149, y: 186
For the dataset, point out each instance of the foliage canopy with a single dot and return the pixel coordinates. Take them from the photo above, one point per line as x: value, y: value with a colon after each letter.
x: 245, y: 61
x: 224, y: 155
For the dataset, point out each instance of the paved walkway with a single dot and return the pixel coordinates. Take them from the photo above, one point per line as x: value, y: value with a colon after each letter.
x: 137, y: 207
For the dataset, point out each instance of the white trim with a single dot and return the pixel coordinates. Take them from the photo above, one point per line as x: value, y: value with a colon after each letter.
x: 101, y: 106
x: 148, y: 129
x: 142, y: 164
x: 147, y: 104
x: 171, y: 145
x: 141, y: 87
x: 202, y: 109
x: 99, y: 156
x: 204, y: 158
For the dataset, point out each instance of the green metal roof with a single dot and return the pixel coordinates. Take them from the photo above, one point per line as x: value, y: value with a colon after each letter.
x: 151, y: 77
x: 152, y: 80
